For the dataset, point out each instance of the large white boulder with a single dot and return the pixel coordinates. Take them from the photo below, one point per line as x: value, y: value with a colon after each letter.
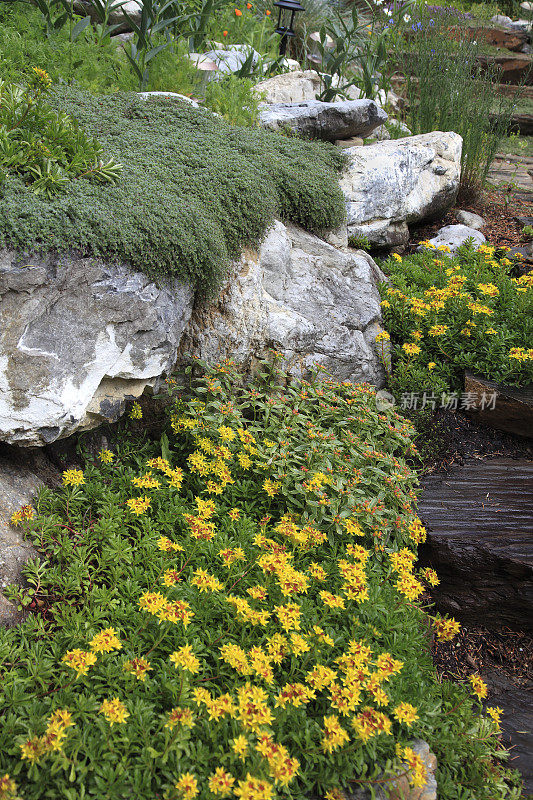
x: 77, y: 337
x: 392, y: 184
x: 311, y: 301
x: 290, y: 87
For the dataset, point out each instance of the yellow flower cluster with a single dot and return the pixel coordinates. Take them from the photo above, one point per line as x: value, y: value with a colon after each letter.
x: 8, y: 788
x: 114, y: 711
x: 521, y: 354
x: 21, y: 516
x: 479, y: 687
x: 34, y: 748
x: 73, y: 477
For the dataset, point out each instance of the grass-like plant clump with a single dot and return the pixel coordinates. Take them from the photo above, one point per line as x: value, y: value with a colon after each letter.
x: 192, y: 193
x: 235, y: 610
x: 447, y: 314
x: 447, y: 90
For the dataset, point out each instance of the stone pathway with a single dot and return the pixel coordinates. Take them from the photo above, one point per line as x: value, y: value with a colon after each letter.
x: 479, y: 519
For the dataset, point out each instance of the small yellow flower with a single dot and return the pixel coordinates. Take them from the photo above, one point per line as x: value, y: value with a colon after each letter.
x: 184, y: 657
x: 114, y: 711
x: 187, y: 786
x: 73, y: 477
x: 136, y: 411
x: 431, y: 365
x: 479, y: 687
x: 105, y: 641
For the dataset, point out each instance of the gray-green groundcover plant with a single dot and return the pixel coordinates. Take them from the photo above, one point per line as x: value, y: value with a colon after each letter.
x: 192, y: 193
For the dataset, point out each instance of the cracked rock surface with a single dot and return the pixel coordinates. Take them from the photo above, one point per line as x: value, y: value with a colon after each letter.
x: 78, y: 336
x: 311, y: 301
x: 393, y: 184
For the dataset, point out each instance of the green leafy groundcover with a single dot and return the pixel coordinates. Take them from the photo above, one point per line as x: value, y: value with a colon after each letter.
x: 193, y: 191
x: 234, y: 611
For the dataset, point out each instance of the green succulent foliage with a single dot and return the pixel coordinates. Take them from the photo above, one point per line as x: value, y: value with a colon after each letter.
x: 43, y: 146
x: 194, y: 190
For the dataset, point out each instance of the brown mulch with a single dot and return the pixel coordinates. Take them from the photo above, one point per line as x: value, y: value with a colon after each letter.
x: 499, y: 210
x: 448, y: 438
x: 477, y: 649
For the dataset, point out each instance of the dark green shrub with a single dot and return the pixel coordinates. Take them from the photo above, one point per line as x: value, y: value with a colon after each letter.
x: 194, y: 191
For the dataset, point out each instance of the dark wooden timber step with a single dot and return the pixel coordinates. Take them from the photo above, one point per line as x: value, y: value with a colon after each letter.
x: 479, y: 519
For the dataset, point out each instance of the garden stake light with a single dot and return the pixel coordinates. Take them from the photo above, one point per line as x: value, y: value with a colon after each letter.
x: 287, y: 11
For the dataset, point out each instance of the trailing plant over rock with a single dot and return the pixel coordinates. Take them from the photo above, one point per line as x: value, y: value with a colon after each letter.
x: 43, y: 146
x: 235, y: 610
x: 194, y: 191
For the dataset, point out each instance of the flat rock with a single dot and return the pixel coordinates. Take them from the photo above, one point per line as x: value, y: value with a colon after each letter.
x: 311, y: 301
x: 78, y: 337
x: 470, y: 219
x: 511, y: 410
x: 314, y: 119
x: 515, y: 67
x: 453, y: 236
x: 389, y: 185
x: 479, y: 519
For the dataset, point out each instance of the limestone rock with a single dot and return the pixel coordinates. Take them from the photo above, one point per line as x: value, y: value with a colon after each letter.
x: 312, y: 302
x: 389, y: 185
x: 18, y: 485
x: 133, y: 9
x: 79, y: 336
x: 453, y: 236
x: 470, y: 219
x: 290, y: 87
x: 313, y: 119
x: 232, y: 59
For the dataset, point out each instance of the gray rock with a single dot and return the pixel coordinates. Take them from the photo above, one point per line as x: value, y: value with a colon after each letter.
x: 453, y: 236
x: 501, y: 19
x: 314, y: 303
x: 78, y: 337
x: 232, y: 59
x: 399, y: 788
x: 470, y: 220
x: 18, y: 485
x: 329, y: 121
x: 389, y: 185
x: 116, y: 14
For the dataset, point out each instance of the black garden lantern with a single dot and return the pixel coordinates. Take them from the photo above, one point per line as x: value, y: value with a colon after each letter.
x: 287, y: 11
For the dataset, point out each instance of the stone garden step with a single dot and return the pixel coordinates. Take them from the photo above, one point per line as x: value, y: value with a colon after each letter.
x: 479, y: 519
